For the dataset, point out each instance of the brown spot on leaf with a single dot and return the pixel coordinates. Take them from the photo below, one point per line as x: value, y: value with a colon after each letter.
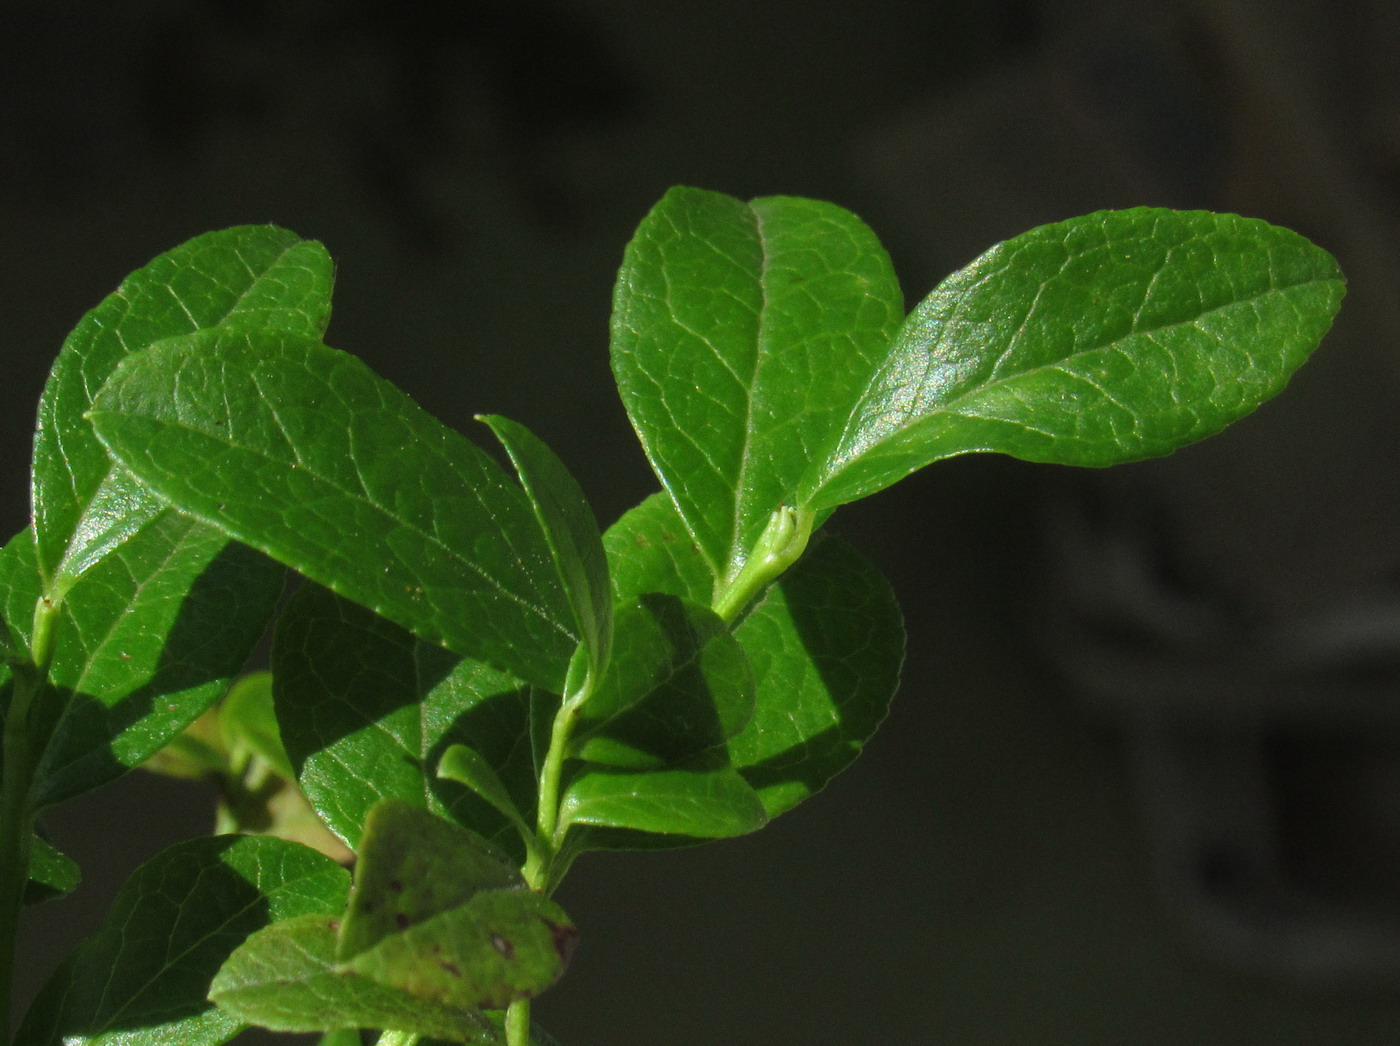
x: 396, y: 885
x: 401, y: 920
x: 452, y: 969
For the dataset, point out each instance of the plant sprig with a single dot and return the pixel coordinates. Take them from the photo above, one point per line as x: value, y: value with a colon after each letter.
x: 476, y: 684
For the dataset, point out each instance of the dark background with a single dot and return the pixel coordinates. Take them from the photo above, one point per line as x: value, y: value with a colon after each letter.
x: 1140, y: 785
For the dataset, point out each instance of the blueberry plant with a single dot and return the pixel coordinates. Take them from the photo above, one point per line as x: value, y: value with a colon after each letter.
x: 473, y: 684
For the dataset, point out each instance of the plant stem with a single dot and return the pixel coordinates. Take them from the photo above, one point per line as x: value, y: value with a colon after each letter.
x: 398, y: 1038
x: 780, y: 545
x: 16, y: 811
x: 540, y: 862
x: 518, y: 1023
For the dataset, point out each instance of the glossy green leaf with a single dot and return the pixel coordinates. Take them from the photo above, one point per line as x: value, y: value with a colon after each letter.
x: 286, y: 978
x: 303, y: 452
x: 367, y: 711
x: 713, y: 803
x: 739, y: 333
x: 570, y: 529
x: 678, y: 685
x: 164, y: 623
x: 469, y: 767
x: 825, y: 645
x: 52, y: 874
x: 1108, y: 338
x: 258, y: 276
x: 412, y: 866
x: 143, y: 978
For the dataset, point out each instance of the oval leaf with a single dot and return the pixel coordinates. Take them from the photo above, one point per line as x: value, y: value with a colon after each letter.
x: 259, y: 276
x: 303, y: 452
x: 1108, y: 338
x: 738, y: 334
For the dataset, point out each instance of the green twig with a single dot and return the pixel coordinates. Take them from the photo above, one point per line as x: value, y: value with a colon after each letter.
x: 518, y: 1023
x: 398, y: 1038
x: 780, y: 545
x: 16, y: 809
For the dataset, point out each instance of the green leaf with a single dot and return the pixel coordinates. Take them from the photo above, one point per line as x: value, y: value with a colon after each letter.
x: 738, y: 334
x: 438, y: 925
x: 1108, y: 338
x: 414, y: 865
x: 469, y: 767
x: 258, y: 276
x: 286, y: 978
x: 303, y: 452
x: 825, y: 645
x: 143, y: 978
x: 571, y: 531
x: 163, y: 624
x: 367, y: 711
x: 501, y: 945
x: 678, y: 685
x: 51, y: 874
x: 695, y: 804
x: 248, y: 725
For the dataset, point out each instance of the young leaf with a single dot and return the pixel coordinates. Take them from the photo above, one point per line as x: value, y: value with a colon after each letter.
x: 165, y: 622
x: 413, y: 865
x: 713, y: 803
x: 469, y: 767
x: 143, y: 978
x: 286, y: 978
x: 1108, y: 338
x: 738, y: 334
x: 51, y: 874
x: 678, y: 685
x: 367, y: 711
x: 259, y: 276
x: 825, y: 645
x: 303, y: 452
x: 570, y: 529
x: 248, y: 725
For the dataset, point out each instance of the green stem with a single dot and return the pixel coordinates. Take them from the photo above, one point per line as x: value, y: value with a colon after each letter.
x: 16, y: 783
x: 538, y: 865
x: 780, y: 545
x: 518, y: 1023
x: 397, y: 1038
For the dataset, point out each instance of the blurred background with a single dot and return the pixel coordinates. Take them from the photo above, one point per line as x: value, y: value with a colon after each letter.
x: 1142, y: 783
